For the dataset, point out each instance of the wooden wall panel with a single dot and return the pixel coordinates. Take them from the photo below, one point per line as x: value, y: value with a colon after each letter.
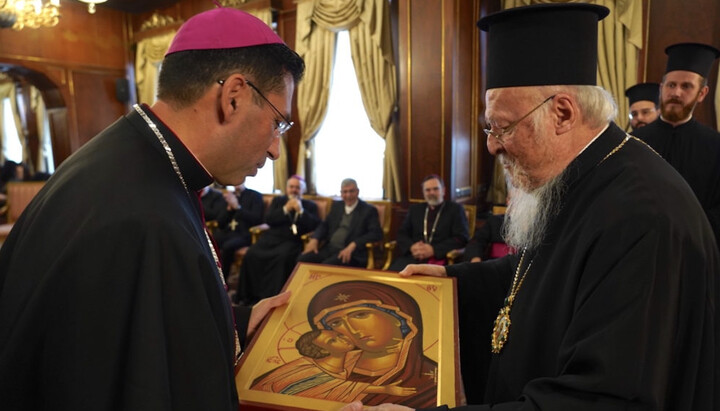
x: 78, y: 39
x: 673, y: 21
x: 286, y: 28
x: 464, y: 97
x: 89, y: 88
x: 423, y: 108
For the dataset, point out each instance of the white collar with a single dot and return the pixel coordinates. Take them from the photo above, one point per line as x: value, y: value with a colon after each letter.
x: 349, y: 209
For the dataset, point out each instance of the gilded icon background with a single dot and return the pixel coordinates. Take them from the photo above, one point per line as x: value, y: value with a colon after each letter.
x: 351, y: 334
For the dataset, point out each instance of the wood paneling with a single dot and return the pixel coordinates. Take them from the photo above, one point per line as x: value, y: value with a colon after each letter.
x: 79, y: 39
x: 422, y: 78
x: 89, y: 88
x: 439, y: 95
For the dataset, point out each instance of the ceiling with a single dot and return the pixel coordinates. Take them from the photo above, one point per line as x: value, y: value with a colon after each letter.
x: 137, y: 6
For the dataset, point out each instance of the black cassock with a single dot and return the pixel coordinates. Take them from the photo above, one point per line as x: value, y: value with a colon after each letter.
x: 693, y: 149
x: 450, y: 232
x: 109, y: 294
x: 269, y: 261
x: 618, y: 309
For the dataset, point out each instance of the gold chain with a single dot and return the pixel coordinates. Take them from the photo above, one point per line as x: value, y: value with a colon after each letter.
x: 501, y: 329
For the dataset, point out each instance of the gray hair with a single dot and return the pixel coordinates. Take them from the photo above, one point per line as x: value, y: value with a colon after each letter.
x: 597, y: 105
x: 348, y: 181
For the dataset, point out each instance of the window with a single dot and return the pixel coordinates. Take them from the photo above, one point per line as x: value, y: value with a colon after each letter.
x: 346, y: 145
x: 264, y: 180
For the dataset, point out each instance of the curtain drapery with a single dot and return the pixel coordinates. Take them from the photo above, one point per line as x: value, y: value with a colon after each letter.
x: 368, y: 22
x: 150, y: 53
x: 38, y: 106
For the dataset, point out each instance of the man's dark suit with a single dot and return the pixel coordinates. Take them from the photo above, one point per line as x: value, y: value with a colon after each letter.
x: 451, y: 232
x: 364, y: 228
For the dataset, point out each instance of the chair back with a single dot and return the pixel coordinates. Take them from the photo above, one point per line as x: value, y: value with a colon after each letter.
x: 19, y: 195
x: 471, y: 214
x: 384, y: 209
x: 323, y: 204
x: 267, y: 199
x: 499, y: 209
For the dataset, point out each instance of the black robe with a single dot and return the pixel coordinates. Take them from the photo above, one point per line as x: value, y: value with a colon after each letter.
x: 233, y: 232
x: 490, y: 233
x: 618, y: 310
x: 214, y: 204
x: 693, y: 149
x: 269, y: 262
x: 451, y: 232
x: 109, y: 295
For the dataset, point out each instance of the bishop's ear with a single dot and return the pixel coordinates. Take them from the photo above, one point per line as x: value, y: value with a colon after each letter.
x: 566, y: 112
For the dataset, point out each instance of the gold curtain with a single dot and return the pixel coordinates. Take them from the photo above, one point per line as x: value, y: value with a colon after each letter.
x: 150, y: 53
x: 264, y: 14
x: 369, y: 28
x: 38, y: 105
x: 371, y: 47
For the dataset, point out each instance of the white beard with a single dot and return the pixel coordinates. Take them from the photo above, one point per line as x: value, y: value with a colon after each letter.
x: 529, y: 213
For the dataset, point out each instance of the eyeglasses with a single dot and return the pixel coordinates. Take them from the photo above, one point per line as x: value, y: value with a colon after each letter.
x: 489, y: 132
x: 281, y: 126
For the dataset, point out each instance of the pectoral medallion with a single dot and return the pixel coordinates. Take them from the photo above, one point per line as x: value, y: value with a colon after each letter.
x: 501, y: 329
x: 293, y: 228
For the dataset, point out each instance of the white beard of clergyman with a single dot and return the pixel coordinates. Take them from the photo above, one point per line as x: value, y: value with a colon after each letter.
x: 529, y: 213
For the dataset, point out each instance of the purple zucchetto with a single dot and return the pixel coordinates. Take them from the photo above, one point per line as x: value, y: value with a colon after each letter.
x: 222, y: 28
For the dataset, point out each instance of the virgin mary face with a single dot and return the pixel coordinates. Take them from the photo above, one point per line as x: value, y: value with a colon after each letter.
x: 368, y: 329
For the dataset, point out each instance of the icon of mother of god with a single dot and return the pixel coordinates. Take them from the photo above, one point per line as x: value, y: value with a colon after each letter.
x: 385, y: 323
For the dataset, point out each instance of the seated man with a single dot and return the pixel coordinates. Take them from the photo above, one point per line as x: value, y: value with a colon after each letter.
x: 269, y: 262
x: 350, y: 224
x: 430, y: 229
x: 244, y: 209
x: 213, y: 202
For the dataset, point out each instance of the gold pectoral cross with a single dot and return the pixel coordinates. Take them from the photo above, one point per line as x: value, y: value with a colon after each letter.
x: 233, y: 224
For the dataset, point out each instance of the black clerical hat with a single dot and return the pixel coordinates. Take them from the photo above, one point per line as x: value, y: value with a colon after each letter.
x: 543, y: 44
x: 694, y: 57
x: 644, y: 92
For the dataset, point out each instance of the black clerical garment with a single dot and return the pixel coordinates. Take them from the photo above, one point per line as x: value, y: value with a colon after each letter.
x: 269, y: 262
x: 110, y: 297
x: 618, y: 309
x: 214, y: 204
x: 233, y: 232
x: 450, y: 232
x: 236, y: 223
x: 693, y: 149
x: 490, y: 233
